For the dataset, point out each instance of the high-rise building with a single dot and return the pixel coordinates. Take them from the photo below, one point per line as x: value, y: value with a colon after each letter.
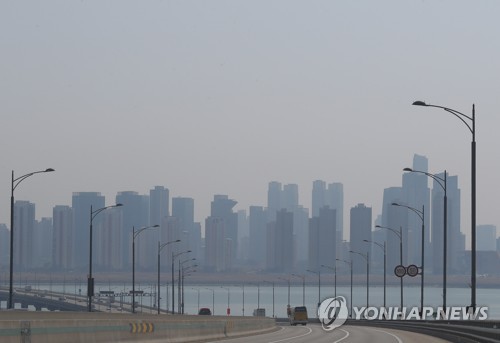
x: 335, y: 200
x: 4, y: 245
x: 183, y: 208
x: 170, y: 231
x: 318, y: 196
x: 42, y: 243
x: 243, y: 234
x: 215, y: 243
x: 361, y: 229
x: 24, y: 223
x: 258, y: 236
x: 301, y: 235
x: 322, y: 238
x: 158, y: 204
x: 396, y: 220
x: 222, y: 207
x: 416, y: 194
x: 455, y: 239
x: 136, y: 215
x: 290, y: 197
x: 62, y: 238
x: 274, y: 203
x: 280, y: 244
x: 486, y: 238
x: 81, y: 203
x: 333, y: 197
x: 108, y: 248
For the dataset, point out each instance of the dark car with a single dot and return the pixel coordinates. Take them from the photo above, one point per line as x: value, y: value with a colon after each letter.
x: 205, y: 311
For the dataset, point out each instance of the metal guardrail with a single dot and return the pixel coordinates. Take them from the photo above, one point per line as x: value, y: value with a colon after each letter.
x: 460, y: 331
x: 463, y: 331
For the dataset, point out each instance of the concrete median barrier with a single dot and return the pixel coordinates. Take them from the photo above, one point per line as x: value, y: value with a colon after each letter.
x: 54, y: 327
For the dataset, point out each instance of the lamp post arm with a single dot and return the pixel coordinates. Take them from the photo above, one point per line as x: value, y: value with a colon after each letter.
x: 18, y: 180
x: 456, y: 113
x: 418, y: 212
x: 144, y: 228
x: 93, y: 214
x: 440, y: 181
x: 388, y: 228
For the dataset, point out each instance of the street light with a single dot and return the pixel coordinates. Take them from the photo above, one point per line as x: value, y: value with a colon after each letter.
x: 213, y: 300
x: 272, y: 283
x: 472, y: 129
x: 258, y: 295
x: 288, y: 281
x: 173, y: 271
x: 243, y: 309
x: 15, y: 182
x: 303, y: 287
x: 400, y: 235
x: 198, y: 290
x: 228, y: 311
x: 90, y: 281
x: 421, y: 214
x: 184, y: 269
x: 366, y: 257
x: 134, y: 235
x: 318, y: 272
x: 350, y: 265
x: 381, y: 246
x: 441, y: 181
x: 335, y: 276
x: 160, y: 248
x: 180, y: 281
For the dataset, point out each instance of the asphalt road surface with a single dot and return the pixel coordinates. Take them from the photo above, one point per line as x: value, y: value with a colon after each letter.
x: 344, y: 334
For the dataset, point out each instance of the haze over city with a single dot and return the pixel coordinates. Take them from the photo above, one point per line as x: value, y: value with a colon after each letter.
x: 223, y: 97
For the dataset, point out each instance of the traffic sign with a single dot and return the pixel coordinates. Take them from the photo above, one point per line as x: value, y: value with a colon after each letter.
x: 412, y: 270
x: 400, y: 271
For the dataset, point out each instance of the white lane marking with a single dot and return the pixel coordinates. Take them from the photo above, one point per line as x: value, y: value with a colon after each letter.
x: 340, y: 340
x: 287, y: 339
x: 272, y: 332
x: 390, y: 334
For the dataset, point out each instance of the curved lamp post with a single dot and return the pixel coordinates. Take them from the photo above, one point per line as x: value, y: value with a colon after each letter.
x: 174, y: 256
x: 303, y: 287
x: 213, y: 300
x: 317, y: 272
x: 228, y: 311
x: 272, y: 283
x: 14, y: 183
x: 243, y: 308
x: 381, y: 246
x: 421, y: 214
x: 160, y: 248
x: 134, y: 235
x: 90, y: 281
x: 441, y: 181
x: 198, y: 290
x: 472, y: 128
x: 366, y: 257
x: 288, y: 281
x: 350, y: 266
x: 400, y: 235
x: 335, y: 276
x: 190, y: 270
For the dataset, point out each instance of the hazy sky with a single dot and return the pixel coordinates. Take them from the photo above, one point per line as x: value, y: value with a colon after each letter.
x: 221, y: 97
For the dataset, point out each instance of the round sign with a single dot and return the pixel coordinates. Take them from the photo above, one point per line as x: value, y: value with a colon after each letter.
x: 412, y: 270
x: 400, y: 271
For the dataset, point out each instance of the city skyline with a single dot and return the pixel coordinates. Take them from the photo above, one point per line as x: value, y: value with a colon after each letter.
x: 221, y: 98
x: 282, y: 236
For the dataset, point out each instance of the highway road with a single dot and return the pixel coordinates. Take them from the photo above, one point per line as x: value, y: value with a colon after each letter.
x: 344, y: 334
